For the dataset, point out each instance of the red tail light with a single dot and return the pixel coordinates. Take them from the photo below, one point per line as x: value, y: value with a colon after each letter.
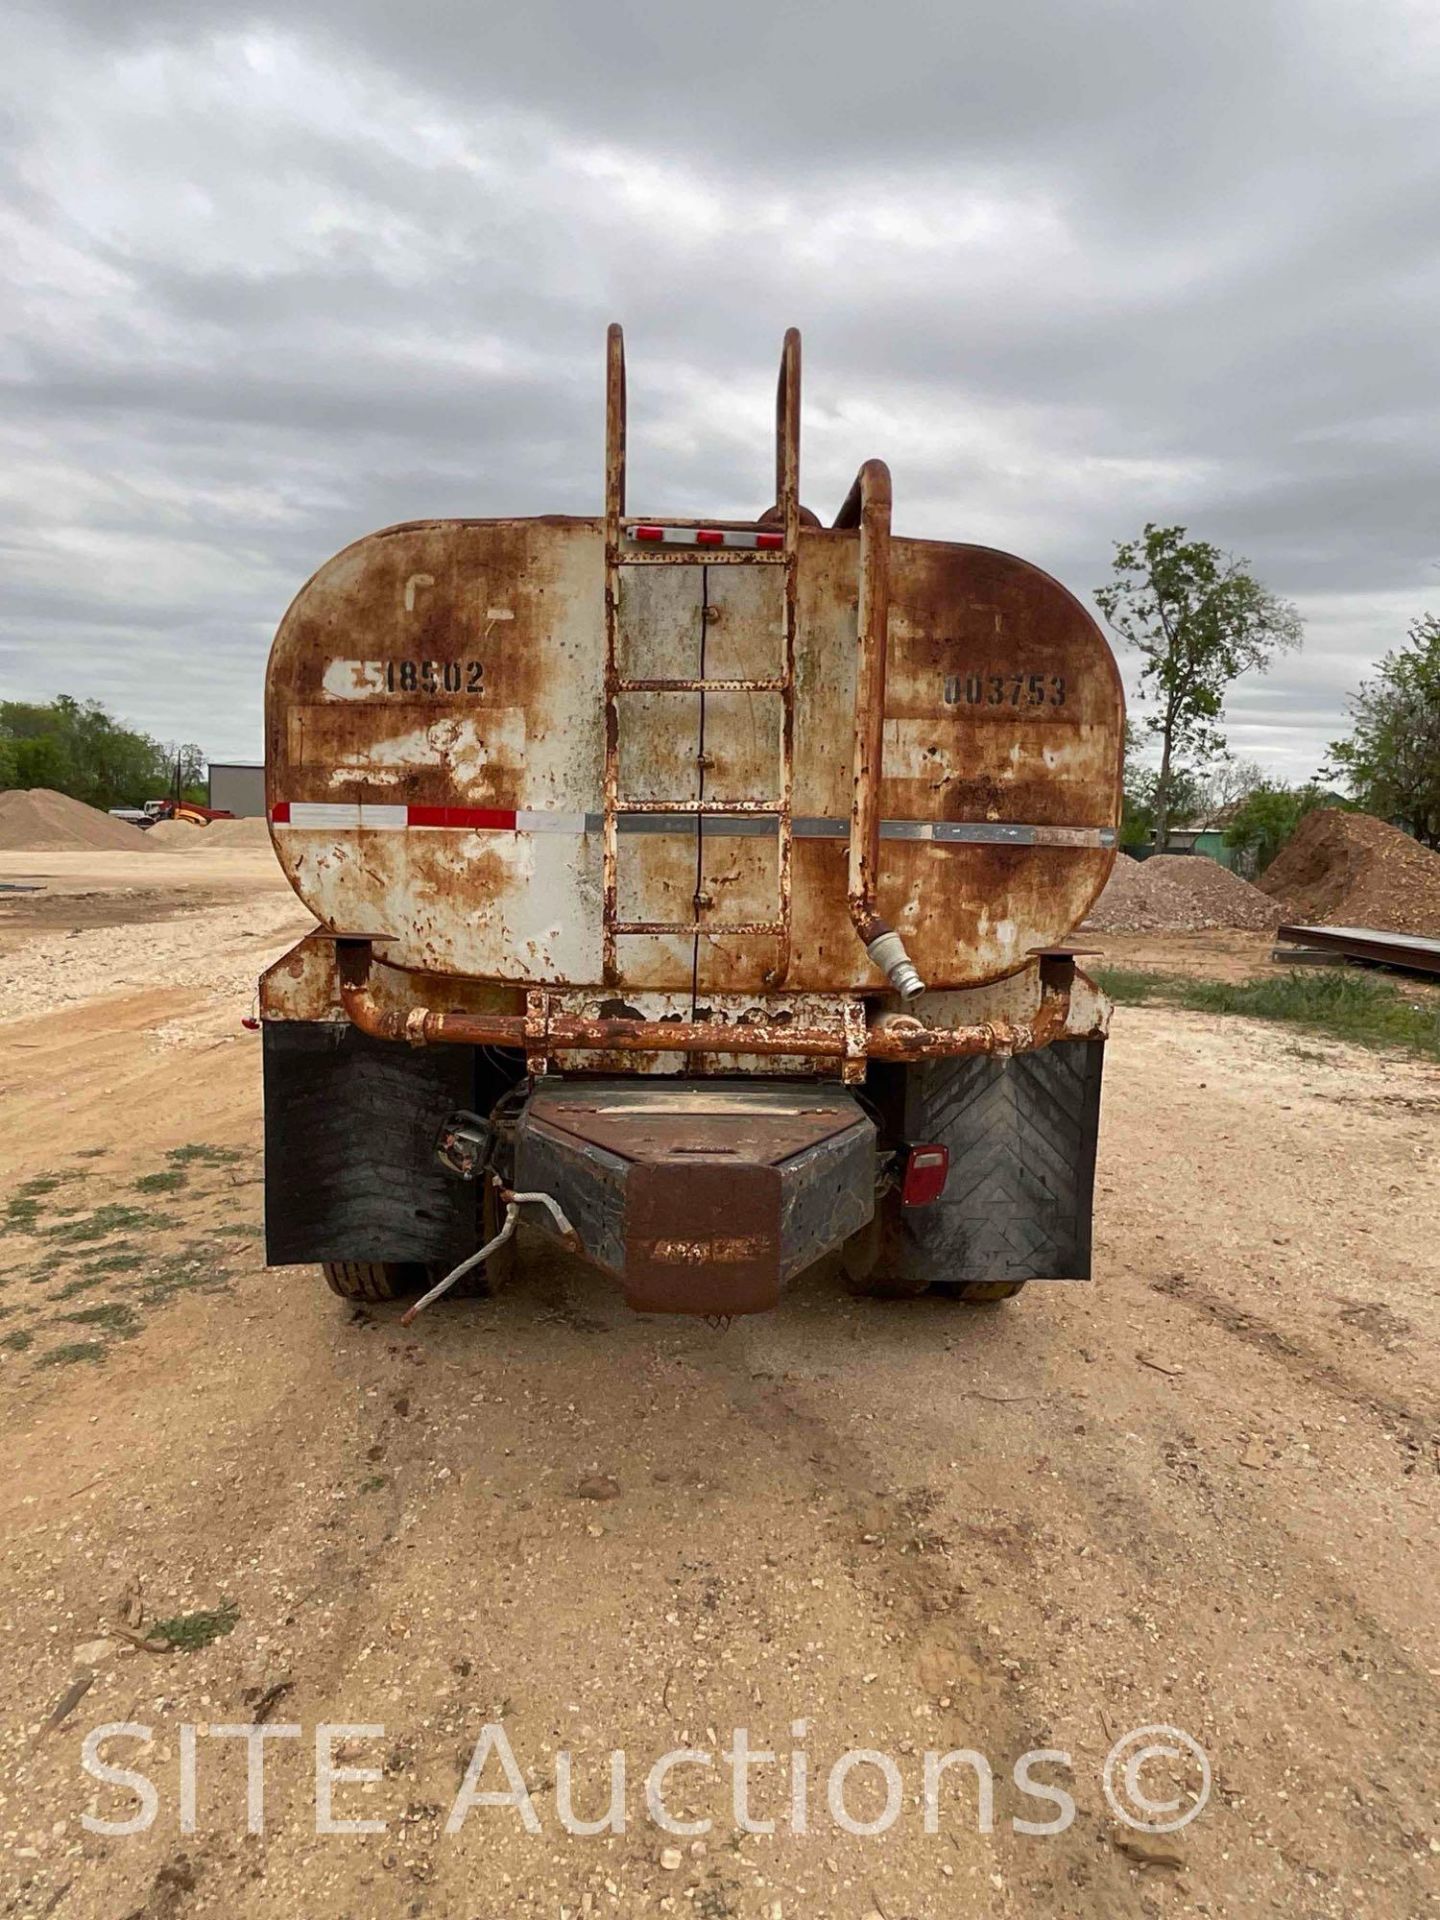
x: 770, y: 540
x: 709, y: 537
x: 926, y: 1171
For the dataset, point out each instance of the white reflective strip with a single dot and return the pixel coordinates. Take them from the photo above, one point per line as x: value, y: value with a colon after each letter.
x: 324, y: 813
x: 555, y: 822
x: 385, y: 817
x: 340, y: 814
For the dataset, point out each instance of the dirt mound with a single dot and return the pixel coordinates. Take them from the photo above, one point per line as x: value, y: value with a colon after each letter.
x: 1233, y: 901
x: 174, y: 835
x: 195, y: 836
x: 1352, y: 870
x: 1139, y: 900
x: 38, y: 820
x: 221, y: 834
x: 235, y: 833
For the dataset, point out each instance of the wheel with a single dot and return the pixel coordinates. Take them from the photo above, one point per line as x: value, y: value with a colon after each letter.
x: 394, y: 1279
x: 869, y: 1275
x: 979, y: 1293
x: 373, y: 1279
x: 879, y: 1264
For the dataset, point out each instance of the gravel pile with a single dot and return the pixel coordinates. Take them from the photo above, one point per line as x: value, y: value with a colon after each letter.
x: 174, y: 836
x: 1139, y: 900
x: 1231, y: 901
x: 236, y: 833
x: 39, y: 820
x: 195, y: 836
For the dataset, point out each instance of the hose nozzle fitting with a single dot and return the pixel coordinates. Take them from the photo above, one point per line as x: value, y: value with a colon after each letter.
x: 887, y: 950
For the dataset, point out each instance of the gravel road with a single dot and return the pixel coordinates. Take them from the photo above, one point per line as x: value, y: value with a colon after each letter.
x: 1199, y: 1492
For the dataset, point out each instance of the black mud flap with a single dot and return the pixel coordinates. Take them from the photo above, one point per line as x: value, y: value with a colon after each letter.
x: 702, y: 1197
x: 350, y: 1130
x: 1022, y: 1135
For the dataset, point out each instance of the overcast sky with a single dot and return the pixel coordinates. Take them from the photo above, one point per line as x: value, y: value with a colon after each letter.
x: 277, y: 278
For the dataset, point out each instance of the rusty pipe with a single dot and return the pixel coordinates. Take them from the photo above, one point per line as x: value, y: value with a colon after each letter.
x: 867, y: 505
x: 896, y: 1038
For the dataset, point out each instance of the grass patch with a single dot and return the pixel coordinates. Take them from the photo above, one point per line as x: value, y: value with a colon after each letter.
x: 46, y: 1183
x: 73, y: 1353
x: 1344, y: 1006
x: 83, y: 1285
x: 90, y: 1153
x: 189, y: 1271
x: 22, y: 1209
x: 18, y: 1341
x: 189, y: 1632
x: 238, y: 1230
x: 199, y: 1153
x: 170, y: 1181
x: 113, y: 1316
x: 373, y: 1484
x: 107, y: 1220
x: 120, y: 1259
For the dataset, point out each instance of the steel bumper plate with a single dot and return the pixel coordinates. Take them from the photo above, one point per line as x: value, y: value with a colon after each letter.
x: 702, y: 1198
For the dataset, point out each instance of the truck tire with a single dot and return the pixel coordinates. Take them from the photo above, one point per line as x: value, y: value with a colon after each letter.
x: 395, y: 1279
x: 868, y: 1274
x: 373, y: 1279
x: 979, y: 1293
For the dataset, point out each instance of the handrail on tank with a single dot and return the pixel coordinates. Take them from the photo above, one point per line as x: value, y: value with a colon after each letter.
x: 614, y: 430
x: 787, y: 437
x: 867, y: 505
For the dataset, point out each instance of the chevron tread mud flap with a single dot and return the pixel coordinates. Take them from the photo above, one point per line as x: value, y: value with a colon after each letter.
x: 1022, y: 1135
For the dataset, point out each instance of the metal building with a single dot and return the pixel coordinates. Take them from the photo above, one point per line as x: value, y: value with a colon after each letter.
x: 238, y: 787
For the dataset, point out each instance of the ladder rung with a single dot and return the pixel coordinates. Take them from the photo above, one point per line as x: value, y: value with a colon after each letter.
x: 701, y: 806
x: 701, y: 686
x: 729, y: 928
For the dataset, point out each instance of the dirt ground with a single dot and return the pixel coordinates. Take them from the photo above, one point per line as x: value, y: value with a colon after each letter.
x: 1199, y: 1492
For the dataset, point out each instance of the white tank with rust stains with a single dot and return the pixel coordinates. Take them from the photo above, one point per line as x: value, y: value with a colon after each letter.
x: 436, y: 756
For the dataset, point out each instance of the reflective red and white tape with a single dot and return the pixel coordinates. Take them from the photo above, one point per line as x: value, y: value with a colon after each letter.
x: 344, y: 816
x: 762, y: 541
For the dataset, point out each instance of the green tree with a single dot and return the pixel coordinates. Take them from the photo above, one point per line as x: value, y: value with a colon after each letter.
x: 1392, y: 759
x: 1266, y: 818
x: 1199, y: 619
x: 1137, y: 820
x: 78, y: 748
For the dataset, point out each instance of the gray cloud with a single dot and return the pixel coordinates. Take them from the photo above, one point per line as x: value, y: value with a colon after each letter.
x: 274, y: 280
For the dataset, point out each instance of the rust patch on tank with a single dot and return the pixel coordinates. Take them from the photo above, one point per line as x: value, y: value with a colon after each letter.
x: 1003, y: 705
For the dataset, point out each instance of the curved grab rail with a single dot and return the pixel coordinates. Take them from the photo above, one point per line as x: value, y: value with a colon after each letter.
x: 868, y: 506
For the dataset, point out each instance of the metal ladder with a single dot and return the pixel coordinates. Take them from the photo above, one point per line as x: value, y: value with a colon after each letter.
x: 673, y: 543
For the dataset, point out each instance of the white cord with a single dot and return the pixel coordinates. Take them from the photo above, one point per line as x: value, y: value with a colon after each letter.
x: 513, y: 1204
x: 512, y: 1214
x: 544, y: 1200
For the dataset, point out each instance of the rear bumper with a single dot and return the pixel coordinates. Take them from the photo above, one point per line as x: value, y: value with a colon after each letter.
x: 701, y: 1197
